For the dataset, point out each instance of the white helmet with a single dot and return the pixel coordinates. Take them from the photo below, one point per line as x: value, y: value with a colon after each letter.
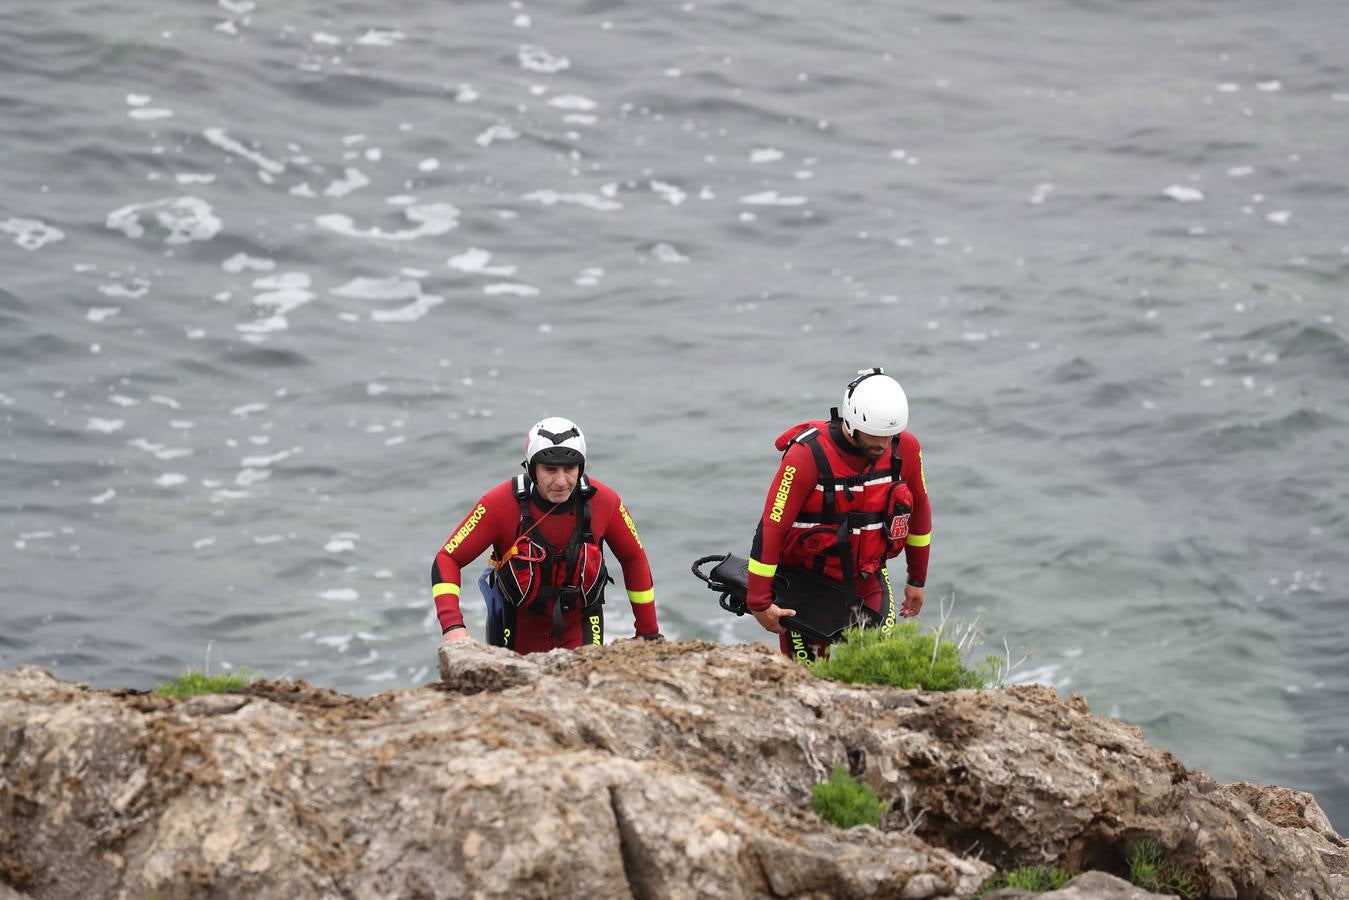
x: 874, y: 403
x: 555, y: 441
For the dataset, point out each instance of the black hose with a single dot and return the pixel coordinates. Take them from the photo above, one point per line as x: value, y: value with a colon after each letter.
x: 703, y: 561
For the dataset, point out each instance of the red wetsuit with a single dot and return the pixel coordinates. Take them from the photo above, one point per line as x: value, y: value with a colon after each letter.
x: 494, y: 523
x: 796, y: 480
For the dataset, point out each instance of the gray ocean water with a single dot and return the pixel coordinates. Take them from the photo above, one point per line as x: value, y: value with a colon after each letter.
x: 282, y: 286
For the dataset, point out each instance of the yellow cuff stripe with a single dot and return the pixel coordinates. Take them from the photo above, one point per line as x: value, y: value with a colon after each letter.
x: 440, y: 590
x: 639, y: 598
x: 919, y: 540
x: 758, y: 568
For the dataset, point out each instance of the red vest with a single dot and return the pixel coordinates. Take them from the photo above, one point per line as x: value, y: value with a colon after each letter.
x: 545, y: 578
x: 852, y: 522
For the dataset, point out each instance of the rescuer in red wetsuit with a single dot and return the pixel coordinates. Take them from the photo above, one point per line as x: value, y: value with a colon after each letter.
x: 848, y: 495
x: 546, y: 530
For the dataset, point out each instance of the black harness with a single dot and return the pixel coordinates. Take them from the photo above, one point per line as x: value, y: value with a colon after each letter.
x: 829, y: 485
x: 565, y: 596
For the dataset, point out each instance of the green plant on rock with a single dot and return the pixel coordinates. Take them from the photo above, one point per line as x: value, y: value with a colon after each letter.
x: 1151, y: 870
x: 1037, y: 879
x: 191, y: 683
x: 845, y: 802
x: 903, y: 658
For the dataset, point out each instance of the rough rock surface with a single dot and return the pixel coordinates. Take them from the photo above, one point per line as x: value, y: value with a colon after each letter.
x: 1093, y: 885
x: 639, y: 769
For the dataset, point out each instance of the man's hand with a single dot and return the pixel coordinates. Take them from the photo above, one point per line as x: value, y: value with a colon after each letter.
x: 769, y: 617
x: 455, y: 635
x: 913, y: 601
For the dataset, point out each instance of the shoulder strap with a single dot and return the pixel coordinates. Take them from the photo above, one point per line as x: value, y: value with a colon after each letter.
x: 522, y: 486
x: 824, y: 472
x: 584, y: 491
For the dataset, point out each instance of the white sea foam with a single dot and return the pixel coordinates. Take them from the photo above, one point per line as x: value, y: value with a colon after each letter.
x: 667, y: 253
x: 353, y: 179
x: 185, y: 219
x: 772, y: 198
x: 432, y: 219
x: 249, y: 477
x: 242, y: 262
x: 498, y: 132
x: 221, y: 139
x: 140, y: 287
x: 476, y: 261
x: 589, y: 277
x: 105, y: 426
x: 379, y: 289
x: 341, y: 543
x: 104, y: 497
x: 102, y: 313
x: 159, y: 451
x: 536, y: 59
x: 378, y: 37
x: 1182, y: 194
x: 549, y: 197
x: 669, y: 192
x: 573, y: 102
x: 392, y: 289
x: 765, y: 155
x: 510, y: 289
x: 282, y: 294
x: 262, y: 462
x: 170, y: 479
x: 31, y: 234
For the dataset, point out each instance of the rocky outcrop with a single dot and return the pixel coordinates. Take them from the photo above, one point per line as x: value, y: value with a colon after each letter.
x: 639, y: 769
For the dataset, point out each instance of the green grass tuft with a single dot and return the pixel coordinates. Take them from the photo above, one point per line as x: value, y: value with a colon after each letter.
x: 904, y: 658
x: 1150, y: 870
x: 845, y: 802
x: 1027, y: 878
x: 191, y: 683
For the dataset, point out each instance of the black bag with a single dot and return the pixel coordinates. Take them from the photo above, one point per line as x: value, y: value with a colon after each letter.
x: 823, y: 607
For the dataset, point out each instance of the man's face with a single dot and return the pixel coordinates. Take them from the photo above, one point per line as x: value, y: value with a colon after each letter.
x: 556, y: 482
x: 875, y: 447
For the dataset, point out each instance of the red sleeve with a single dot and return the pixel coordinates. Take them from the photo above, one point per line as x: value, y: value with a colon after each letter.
x: 791, y: 485
x: 618, y: 530
x: 492, y: 522
x: 918, y: 545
